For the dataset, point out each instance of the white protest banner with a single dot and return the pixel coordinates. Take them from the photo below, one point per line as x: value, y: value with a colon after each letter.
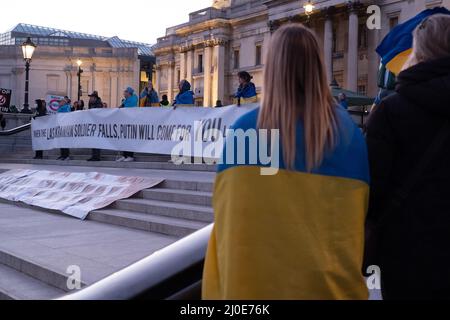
x: 52, y: 102
x: 146, y: 130
x: 73, y: 193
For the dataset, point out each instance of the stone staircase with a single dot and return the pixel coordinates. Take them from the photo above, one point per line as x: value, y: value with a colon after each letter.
x: 174, y: 208
x: 37, y: 246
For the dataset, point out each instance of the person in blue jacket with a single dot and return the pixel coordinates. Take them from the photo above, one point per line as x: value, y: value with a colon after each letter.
x: 151, y: 96
x: 130, y: 100
x: 64, y: 107
x: 246, y: 93
x: 186, y: 96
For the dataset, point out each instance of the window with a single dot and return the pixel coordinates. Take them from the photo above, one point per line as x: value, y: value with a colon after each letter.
x: 236, y: 55
x: 258, y: 59
x: 362, y: 36
x: 200, y: 63
x: 178, y: 75
x: 393, y: 22
x: 362, y: 90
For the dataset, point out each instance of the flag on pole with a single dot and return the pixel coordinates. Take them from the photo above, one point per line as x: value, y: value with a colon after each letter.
x: 396, y: 47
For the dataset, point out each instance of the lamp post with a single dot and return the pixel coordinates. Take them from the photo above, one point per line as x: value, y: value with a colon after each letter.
x: 80, y: 71
x: 309, y: 8
x: 28, y: 48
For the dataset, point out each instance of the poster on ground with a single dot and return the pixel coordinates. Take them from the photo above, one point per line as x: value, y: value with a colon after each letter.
x: 73, y: 193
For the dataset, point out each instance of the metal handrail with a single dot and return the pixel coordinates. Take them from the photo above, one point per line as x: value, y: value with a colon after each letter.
x: 170, y: 273
x: 17, y: 130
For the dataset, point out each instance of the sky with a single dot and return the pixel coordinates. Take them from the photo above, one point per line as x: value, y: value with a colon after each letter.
x: 136, y: 20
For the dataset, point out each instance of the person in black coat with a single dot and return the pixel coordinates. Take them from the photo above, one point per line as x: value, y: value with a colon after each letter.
x: 41, y: 111
x: 95, y: 102
x: 414, y: 240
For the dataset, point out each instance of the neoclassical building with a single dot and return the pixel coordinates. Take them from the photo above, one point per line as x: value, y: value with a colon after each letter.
x: 231, y: 36
x: 109, y: 64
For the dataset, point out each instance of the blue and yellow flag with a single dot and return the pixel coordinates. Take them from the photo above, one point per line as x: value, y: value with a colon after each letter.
x: 293, y: 235
x: 396, y: 47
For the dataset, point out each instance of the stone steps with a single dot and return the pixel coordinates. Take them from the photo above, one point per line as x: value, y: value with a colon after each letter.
x: 45, y: 276
x: 167, y: 209
x: 15, y: 285
x: 177, y: 195
x: 147, y: 222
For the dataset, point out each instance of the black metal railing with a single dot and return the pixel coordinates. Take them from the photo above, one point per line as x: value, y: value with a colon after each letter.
x: 174, y: 272
x: 17, y: 130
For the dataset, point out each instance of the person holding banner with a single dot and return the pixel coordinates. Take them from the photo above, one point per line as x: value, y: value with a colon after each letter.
x: 246, y: 93
x: 41, y: 111
x: 165, y: 101
x: 64, y: 107
x: 130, y: 100
x: 95, y: 102
x: 185, y: 97
x: 290, y: 226
x: 150, y: 96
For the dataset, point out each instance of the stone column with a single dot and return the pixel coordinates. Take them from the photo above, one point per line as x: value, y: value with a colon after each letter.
x: 157, y: 78
x: 69, y: 85
x: 352, y: 55
x: 218, y: 87
x: 328, y: 43
x: 207, y: 84
x: 114, y: 91
x: 189, y: 65
x: 182, y: 65
x: 373, y: 61
x: 170, y: 80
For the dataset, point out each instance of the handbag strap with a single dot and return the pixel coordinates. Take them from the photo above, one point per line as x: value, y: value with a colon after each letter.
x: 402, y: 193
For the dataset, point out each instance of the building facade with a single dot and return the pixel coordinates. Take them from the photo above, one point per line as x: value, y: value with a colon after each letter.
x: 231, y: 36
x: 109, y: 64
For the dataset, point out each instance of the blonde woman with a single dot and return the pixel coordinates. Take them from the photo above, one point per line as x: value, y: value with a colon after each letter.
x: 298, y: 234
x: 408, y: 137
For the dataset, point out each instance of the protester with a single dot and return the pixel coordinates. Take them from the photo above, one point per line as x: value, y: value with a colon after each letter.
x: 150, y: 96
x: 64, y: 107
x: 95, y: 102
x: 185, y: 97
x: 130, y: 100
x: 246, y: 93
x: 74, y: 106
x: 80, y: 105
x: 218, y: 104
x: 298, y: 234
x: 2, y: 121
x: 165, y: 101
x: 408, y: 137
x: 41, y: 111
x: 342, y: 98
x: 105, y: 105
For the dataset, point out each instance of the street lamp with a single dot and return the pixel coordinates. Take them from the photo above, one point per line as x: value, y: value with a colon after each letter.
x: 80, y: 71
x: 309, y: 8
x: 28, y: 48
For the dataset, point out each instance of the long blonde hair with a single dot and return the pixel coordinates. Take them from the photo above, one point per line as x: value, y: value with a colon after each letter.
x: 431, y: 40
x: 296, y: 88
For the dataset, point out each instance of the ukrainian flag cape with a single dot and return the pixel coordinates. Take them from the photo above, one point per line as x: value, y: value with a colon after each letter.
x: 294, y: 235
x: 396, y: 47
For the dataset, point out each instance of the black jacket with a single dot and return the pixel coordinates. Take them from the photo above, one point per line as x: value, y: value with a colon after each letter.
x: 415, y: 241
x: 97, y: 104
